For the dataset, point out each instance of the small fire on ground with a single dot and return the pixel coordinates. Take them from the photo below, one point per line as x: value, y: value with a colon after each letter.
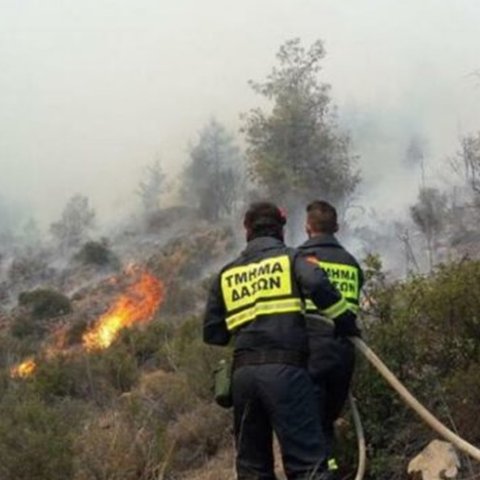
x: 24, y: 369
x: 136, y: 305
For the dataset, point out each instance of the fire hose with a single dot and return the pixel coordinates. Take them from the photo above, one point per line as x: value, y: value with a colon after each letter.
x: 362, y: 449
x: 412, y: 402
x: 408, y: 399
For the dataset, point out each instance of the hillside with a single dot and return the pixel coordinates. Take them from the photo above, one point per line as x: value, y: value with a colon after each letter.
x: 117, y: 383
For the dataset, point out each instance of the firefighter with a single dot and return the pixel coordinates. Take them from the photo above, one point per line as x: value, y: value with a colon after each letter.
x: 331, y: 360
x: 257, y: 302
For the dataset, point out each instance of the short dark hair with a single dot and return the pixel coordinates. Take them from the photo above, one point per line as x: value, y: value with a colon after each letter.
x: 264, y: 219
x: 322, y: 217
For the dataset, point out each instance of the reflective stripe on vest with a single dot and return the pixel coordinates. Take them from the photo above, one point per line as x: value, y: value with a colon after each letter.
x: 258, y: 288
x: 310, y: 306
x: 345, y: 279
x: 336, y: 309
x: 267, y: 307
x: 332, y: 465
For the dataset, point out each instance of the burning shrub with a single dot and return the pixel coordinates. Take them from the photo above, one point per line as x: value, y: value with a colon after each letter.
x: 45, y: 303
x: 15, y: 349
x: 97, y: 253
x: 137, y: 305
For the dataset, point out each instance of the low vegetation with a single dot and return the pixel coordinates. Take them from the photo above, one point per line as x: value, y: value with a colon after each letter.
x: 143, y: 409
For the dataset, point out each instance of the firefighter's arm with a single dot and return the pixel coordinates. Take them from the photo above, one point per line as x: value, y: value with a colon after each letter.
x: 315, y: 285
x: 214, y: 327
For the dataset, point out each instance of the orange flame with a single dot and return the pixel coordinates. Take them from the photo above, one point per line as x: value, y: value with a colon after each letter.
x: 136, y: 305
x: 24, y: 369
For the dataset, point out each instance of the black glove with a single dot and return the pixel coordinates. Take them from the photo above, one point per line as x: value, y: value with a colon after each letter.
x: 346, y: 326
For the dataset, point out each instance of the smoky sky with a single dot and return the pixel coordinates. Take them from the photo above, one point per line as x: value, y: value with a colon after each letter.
x: 93, y: 90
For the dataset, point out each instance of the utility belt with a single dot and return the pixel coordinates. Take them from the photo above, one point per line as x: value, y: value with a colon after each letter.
x: 224, y: 371
x: 287, y: 357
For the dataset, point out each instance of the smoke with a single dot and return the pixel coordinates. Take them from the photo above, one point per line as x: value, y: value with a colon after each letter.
x: 90, y: 92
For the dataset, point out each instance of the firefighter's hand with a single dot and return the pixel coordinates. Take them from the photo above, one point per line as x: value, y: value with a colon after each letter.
x: 346, y: 325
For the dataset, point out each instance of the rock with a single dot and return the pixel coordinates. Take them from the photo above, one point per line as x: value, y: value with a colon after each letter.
x: 437, y: 461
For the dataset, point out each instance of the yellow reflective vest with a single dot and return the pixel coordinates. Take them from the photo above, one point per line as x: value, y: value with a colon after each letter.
x: 259, y: 298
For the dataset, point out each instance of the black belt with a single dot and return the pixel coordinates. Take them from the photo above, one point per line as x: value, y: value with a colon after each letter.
x: 287, y: 357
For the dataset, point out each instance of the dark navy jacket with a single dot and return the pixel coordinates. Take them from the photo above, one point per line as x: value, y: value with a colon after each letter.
x: 342, y: 269
x: 243, y: 303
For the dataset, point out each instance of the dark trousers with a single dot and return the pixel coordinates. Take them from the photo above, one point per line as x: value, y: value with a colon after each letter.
x: 276, y: 398
x: 331, y: 367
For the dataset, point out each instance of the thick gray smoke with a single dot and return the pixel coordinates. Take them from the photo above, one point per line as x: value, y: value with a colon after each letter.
x: 91, y: 92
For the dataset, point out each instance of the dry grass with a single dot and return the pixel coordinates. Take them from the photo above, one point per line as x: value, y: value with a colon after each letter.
x: 199, y: 435
x: 219, y: 467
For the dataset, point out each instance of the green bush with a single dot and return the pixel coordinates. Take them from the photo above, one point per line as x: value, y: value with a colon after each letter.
x: 427, y: 330
x: 35, y: 439
x: 75, y: 332
x: 40, y: 307
x: 97, y: 253
x: 99, y: 377
x: 45, y: 303
x: 24, y: 326
x: 188, y: 354
x: 146, y: 344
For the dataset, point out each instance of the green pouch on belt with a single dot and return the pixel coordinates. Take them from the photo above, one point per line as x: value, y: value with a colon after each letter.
x: 223, y: 384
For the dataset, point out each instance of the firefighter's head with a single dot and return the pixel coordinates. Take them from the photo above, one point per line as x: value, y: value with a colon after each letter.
x: 321, y: 219
x: 264, y: 219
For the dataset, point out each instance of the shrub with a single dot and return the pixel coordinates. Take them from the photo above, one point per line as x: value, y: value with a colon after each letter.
x: 198, y: 435
x: 116, y: 444
x: 188, y: 354
x: 427, y: 330
x: 35, y: 439
x: 75, y: 332
x: 45, y: 303
x: 24, y: 325
x: 99, y: 376
x: 97, y: 253
x: 168, y: 394
x: 146, y: 344
x: 39, y: 306
x: 131, y: 438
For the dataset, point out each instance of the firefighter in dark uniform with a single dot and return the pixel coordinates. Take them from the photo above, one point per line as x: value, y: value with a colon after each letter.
x: 257, y: 301
x: 331, y: 360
